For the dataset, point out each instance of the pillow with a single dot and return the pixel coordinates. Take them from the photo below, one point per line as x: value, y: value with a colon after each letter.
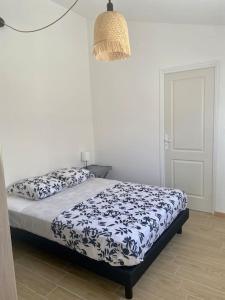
x: 36, y: 188
x: 72, y: 176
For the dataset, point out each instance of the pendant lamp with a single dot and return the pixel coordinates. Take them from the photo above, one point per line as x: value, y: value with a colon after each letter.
x: 111, y: 37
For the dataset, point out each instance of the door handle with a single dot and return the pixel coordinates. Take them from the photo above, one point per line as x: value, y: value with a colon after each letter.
x: 167, y: 139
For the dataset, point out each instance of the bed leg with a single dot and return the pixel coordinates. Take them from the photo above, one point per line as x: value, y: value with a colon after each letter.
x: 179, y: 231
x: 128, y: 292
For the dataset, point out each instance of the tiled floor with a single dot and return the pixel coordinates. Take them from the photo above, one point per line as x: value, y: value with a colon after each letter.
x: 192, y: 267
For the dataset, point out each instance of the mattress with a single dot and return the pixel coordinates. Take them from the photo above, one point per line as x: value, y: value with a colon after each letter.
x: 105, y: 220
x: 36, y: 216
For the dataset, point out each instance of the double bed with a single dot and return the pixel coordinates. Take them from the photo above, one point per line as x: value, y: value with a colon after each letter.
x: 114, y: 228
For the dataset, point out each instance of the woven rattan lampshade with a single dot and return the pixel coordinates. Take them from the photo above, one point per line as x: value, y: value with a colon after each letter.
x: 111, y: 38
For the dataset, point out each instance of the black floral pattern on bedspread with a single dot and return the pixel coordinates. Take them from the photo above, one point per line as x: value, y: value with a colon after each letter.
x: 120, y: 224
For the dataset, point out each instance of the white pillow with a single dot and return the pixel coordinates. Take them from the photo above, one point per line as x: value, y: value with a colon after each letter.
x: 36, y: 188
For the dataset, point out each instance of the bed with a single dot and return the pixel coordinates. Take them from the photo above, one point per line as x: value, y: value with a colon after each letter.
x: 113, y: 228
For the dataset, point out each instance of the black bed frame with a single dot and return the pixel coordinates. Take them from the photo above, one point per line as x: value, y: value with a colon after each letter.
x: 126, y: 276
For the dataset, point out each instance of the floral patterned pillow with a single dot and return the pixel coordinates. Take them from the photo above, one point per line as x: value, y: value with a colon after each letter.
x: 72, y: 176
x: 36, y: 188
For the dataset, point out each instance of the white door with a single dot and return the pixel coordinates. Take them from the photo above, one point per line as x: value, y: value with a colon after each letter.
x: 189, y: 112
x: 7, y: 275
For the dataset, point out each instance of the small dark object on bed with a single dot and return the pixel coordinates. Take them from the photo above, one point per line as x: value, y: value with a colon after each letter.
x: 127, y: 276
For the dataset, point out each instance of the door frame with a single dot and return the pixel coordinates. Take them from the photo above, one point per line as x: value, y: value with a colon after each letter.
x: 7, y: 271
x: 164, y: 71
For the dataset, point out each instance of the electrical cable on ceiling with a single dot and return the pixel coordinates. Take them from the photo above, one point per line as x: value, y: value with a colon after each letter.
x: 3, y: 23
x: 111, y: 36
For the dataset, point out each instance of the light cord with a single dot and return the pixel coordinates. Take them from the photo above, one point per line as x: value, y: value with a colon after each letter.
x: 44, y: 27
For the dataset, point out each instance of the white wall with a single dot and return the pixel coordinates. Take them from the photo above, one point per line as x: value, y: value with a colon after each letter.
x: 45, y: 102
x: 46, y: 111
x: 126, y: 97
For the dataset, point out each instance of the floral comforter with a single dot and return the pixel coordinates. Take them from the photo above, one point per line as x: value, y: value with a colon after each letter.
x: 120, y: 224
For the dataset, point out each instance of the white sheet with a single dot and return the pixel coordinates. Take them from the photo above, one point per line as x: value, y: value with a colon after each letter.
x: 37, y: 216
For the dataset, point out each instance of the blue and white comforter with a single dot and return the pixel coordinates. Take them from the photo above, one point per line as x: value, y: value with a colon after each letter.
x: 120, y: 224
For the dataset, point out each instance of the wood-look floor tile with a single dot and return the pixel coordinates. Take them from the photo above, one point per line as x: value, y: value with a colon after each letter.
x: 39, y: 267
x: 25, y: 293
x: 202, y: 291
x: 191, y: 267
x: 62, y: 294
x: 203, y: 274
x: 17, y: 253
x: 51, y: 259
x: 38, y: 284
x: 89, y: 289
x: 211, y: 269
x: 202, y: 240
x: 97, y: 280
x: 162, y: 285
x: 193, y: 298
x: 142, y: 294
x: 164, y: 265
x: 20, y: 248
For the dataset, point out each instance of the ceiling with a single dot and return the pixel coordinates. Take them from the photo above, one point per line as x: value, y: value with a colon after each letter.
x: 211, y: 12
